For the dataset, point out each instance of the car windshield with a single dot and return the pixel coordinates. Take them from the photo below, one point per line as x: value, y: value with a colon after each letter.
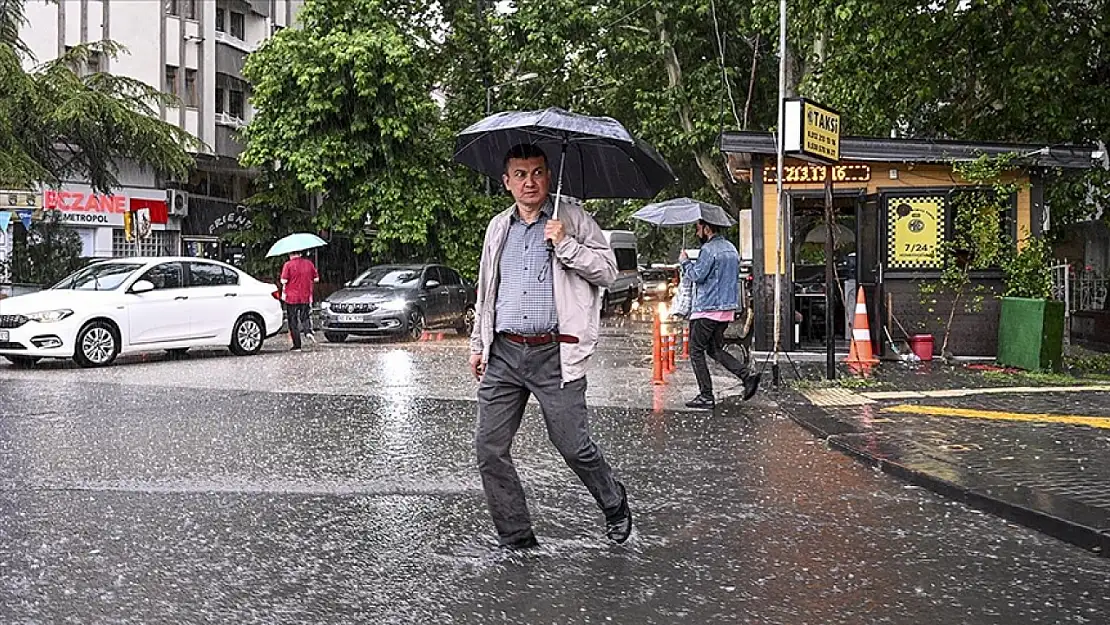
x: 654, y: 275
x: 395, y: 277
x: 98, y: 277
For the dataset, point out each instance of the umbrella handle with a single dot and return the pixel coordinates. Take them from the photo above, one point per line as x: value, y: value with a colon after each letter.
x: 558, y: 189
x: 559, y: 184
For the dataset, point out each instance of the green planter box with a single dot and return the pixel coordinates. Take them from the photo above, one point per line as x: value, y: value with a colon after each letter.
x: 1031, y: 334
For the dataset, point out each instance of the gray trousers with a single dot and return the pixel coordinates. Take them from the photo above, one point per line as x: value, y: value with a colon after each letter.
x: 513, y: 372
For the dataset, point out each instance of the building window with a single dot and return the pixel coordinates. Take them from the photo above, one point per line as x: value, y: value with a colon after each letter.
x: 182, y: 8
x: 171, y: 80
x: 238, y: 26
x: 235, y: 104
x: 94, y: 62
x: 220, y: 95
x: 221, y: 16
x: 191, y: 88
x: 160, y: 243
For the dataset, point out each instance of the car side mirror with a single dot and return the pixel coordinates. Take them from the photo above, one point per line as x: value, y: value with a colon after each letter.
x: 142, y: 286
x: 431, y: 284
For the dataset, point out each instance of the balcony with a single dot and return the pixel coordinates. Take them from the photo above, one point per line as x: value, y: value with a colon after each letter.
x: 226, y: 143
x: 230, y: 40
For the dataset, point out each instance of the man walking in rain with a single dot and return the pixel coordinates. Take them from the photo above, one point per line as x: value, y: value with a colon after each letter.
x: 537, y: 321
x: 716, y: 278
x: 298, y: 277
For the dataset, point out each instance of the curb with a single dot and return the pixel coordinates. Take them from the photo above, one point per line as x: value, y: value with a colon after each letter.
x: 986, y: 494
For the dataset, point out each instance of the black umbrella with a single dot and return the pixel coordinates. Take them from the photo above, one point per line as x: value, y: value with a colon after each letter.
x: 597, y: 156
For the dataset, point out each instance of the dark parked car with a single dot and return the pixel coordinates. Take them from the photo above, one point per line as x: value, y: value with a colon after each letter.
x: 400, y: 300
x: 660, y: 283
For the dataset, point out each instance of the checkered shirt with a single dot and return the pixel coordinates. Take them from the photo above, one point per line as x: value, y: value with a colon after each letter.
x: 525, y: 294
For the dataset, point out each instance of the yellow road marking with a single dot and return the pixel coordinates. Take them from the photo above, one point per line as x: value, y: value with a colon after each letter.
x: 967, y: 413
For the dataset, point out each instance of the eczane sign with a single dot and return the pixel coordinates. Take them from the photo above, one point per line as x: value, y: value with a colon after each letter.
x: 92, y: 209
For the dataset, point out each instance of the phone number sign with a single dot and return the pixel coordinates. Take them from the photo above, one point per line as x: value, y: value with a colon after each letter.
x: 913, y: 227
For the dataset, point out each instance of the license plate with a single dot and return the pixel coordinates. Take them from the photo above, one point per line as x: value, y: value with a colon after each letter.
x: 350, y: 318
x: 3, y: 336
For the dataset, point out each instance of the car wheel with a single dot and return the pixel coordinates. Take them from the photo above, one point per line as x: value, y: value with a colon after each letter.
x: 415, y: 328
x: 466, y: 327
x: 22, y: 362
x: 605, y: 305
x: 626, y: 307
x: 97, y: 345
x: 335, y: 337
x: 247, y: 336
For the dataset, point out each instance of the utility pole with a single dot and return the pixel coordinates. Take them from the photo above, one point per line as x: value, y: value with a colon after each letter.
x: 780, y: 255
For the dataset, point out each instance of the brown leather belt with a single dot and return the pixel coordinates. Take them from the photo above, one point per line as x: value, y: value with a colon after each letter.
x: 540, y: 339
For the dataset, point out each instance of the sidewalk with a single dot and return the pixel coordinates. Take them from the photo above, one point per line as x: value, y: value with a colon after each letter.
x: 1032, y: 448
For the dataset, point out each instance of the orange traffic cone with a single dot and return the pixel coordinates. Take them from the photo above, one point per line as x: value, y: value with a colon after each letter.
x: 860, y: 356
x: 686, y: 343
x: 674, y: 350
x: 657, y: 352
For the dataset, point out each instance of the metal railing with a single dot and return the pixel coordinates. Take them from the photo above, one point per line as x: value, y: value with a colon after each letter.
x: 1081, y: 290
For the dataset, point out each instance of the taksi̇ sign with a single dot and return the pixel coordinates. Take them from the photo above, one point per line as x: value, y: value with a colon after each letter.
x: 811, y: 131
x: 914, y: 232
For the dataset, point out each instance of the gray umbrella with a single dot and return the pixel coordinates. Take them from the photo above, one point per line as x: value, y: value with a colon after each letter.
x: 597, y: 157
x: 683, y: 211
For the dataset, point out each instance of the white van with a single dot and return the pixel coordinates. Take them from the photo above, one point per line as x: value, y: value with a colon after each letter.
x: 627, y: 287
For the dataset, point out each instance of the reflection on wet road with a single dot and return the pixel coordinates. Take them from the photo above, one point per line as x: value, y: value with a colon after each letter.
x: 149, y: 503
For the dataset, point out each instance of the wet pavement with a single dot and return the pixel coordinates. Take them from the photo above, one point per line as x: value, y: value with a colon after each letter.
x: 338, y: 486
x: 1036, y: 454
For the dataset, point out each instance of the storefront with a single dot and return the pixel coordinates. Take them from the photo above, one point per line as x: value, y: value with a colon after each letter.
x: 892, y: 203
x: 205, y: 230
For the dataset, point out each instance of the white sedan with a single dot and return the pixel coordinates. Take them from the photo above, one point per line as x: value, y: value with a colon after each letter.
x: 140, y: 304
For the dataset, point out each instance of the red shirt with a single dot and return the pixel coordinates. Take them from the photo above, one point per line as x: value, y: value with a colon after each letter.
x: 298, y: 274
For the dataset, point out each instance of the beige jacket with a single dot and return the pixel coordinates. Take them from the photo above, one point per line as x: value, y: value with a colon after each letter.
x: 583, y: 264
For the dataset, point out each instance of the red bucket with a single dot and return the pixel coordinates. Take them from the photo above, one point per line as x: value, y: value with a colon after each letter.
x: 922, y: 345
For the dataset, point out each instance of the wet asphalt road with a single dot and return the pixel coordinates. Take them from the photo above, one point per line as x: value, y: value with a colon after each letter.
x: 149, y: 503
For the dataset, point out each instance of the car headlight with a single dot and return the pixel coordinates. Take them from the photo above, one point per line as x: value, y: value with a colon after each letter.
x: 325, y: 305
x: 398, y: 303
x: 49, y: 316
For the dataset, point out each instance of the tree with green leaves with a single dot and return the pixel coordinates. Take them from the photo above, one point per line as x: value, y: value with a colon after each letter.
x: 48, y: 252
x: 346, y: 118
x: 1024, y: 71
x: 58, y: 121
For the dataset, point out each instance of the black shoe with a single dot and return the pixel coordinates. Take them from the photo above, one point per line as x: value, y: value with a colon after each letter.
x: 751, y: 385
x: 295, y: 348
x: 528, y: 542
x: 618, y: 525
x: 702, y: 402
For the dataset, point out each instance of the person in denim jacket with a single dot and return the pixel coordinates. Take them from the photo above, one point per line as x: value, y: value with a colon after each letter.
x: 716, y: 276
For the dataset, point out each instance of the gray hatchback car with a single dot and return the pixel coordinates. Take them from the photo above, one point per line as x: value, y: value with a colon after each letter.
x: 400, y: 300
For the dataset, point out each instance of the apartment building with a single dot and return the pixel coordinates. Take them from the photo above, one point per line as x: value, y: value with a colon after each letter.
x: 194, y: 49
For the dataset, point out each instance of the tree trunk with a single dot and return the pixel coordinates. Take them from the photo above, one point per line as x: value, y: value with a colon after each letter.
x: 706, y: 163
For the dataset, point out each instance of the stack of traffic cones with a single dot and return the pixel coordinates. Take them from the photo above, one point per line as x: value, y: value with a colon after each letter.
x: 860, y: 356
x: 657, y: 352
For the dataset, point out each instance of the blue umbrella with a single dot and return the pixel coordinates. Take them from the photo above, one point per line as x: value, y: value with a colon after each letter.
x: 683, y: 211
x: 298, y: 242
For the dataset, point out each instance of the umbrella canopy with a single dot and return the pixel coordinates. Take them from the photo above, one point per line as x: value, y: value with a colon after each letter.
x: 683, y: 211
x: 842, y: 236
x: 596, y: 156
x: 298, y: 242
